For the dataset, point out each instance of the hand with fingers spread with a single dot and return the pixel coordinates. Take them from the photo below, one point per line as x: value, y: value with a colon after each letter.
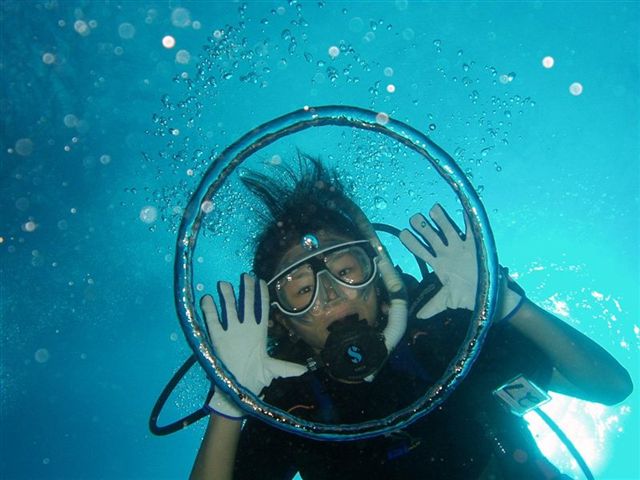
x: 453, y: 257
x: 239, y: 338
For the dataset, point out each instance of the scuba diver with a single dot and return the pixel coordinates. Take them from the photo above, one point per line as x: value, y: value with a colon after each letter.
x: 313, y: 332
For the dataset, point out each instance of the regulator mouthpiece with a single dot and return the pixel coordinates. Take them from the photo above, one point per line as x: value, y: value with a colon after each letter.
x: 354, y: 350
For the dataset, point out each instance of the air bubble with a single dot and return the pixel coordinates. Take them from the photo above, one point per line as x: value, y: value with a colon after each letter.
x: 369, y: 37
x: 24, y: 147
x: 507, y: 78
x: 180, y: 17
x: 380, y: 203
x: 42, y: 355
x: 408, y: 34
x: 576, y: 89
x: 382, y: 118
x: 183, y: 57
x: 70, y: 120
x: 29, y: 226
x: 81, y: 27
x: 356, y: 24
x: 207, y: 206
x: 22, y: 204
x: 168, y: 41
x: 149, y: 214
x: 126, y: 31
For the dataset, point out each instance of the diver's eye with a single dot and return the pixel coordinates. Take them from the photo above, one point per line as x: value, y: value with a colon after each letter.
x: 345, y: 272
x: 306, y: 290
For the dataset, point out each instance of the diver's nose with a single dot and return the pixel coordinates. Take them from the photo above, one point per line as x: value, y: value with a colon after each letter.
x: 329, y: 294
x: 329, y: 288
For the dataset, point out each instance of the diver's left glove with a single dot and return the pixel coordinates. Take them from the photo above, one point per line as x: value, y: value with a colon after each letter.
x: 239, y: 338
x: 454, y: 259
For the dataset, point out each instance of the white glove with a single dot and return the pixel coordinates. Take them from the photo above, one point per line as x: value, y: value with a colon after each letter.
x: 453, y: 258
x: 241, y: 341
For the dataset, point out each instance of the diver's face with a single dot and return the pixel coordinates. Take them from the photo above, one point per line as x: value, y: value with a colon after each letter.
x: 334, y: 301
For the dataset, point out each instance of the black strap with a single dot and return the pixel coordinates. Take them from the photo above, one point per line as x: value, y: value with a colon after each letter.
x: 162, y: 399
x: 383, y: 227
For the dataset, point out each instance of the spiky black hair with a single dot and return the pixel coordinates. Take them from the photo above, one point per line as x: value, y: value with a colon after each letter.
x: 297, y: 203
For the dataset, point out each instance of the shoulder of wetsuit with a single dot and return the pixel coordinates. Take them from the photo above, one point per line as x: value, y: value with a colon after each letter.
x: 288, y: 392
x: 506, y: 352
x: 448, y: 328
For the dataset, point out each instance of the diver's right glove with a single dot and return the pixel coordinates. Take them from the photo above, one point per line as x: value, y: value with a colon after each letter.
x: 453, y: 257
x: 240, y: 341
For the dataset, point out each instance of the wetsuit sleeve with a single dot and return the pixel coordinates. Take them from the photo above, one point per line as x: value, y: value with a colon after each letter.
x: 508, y: 353
x: 505, y: 354
x: 264, y: 452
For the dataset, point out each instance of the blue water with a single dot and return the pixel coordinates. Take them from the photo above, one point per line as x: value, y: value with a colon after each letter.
x: 105, y: 133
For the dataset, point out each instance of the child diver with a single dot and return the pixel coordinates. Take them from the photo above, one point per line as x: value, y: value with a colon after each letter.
x: 290, y: 337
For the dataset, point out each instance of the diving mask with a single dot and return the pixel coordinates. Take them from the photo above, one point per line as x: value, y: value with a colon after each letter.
x: 320, y: 275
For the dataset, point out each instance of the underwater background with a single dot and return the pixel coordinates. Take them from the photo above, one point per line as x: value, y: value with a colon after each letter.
x: 111, y: 112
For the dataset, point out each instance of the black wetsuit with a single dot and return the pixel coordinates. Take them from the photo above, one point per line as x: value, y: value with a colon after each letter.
x: 456, y: 441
